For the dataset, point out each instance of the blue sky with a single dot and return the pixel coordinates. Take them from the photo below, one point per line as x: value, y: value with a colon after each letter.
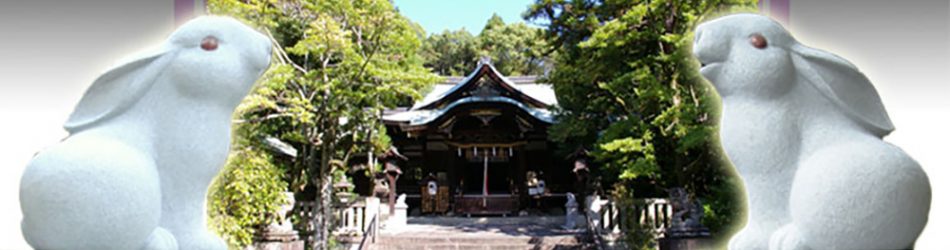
x: 438, y: 15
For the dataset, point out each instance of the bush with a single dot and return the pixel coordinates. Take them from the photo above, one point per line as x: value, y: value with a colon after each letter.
x: 245, y: 197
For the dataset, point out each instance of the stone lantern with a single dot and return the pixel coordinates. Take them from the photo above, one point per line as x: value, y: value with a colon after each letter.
x: 280, y: 234
x: 342, y: 190
x: 685, y: 231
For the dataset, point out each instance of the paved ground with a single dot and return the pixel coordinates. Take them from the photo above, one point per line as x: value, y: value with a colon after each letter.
x: 525, y: 232
x: 485, y: 226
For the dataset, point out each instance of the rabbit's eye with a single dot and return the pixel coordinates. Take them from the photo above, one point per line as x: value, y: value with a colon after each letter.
x: 209, y: 43
x: 758, y: 41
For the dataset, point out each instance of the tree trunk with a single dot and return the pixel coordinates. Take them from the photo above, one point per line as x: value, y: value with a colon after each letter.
x: 320, y: 220
x: 324, y: 184
x: 319, y: 215
x: 326, y: 208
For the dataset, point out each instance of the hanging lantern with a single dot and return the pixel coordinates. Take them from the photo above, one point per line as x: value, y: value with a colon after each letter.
x: 460, y: 151
x: 493, y: 151
x: 510, y: 152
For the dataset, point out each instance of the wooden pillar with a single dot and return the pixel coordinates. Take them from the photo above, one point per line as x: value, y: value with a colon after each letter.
x: 426, y: 166
x: 392, y: 193
x: 392, y: 157
x: 581, y: 170
x: 449, y: 160
x: 522, y: 154
x: 485, y: 182
x: 521, y: 179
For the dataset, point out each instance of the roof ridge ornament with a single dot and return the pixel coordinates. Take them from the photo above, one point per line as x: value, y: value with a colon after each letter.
x: 484, y: 60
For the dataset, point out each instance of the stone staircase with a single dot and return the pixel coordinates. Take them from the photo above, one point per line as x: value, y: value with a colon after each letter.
x: 454, y: 233
x: 481, y: 243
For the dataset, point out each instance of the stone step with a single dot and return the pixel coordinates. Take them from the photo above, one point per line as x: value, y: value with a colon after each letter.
x: 510, y: 240
x: 480, y: 247
x: 436, y: 241
x: 454, y: 233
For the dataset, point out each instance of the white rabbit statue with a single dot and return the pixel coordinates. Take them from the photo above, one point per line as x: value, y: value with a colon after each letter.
x: 145, y: 142
x: 804, y: 129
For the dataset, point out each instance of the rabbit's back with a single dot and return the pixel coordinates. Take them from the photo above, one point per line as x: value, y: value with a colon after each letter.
x: 90, y: 192
x: 874, y: 194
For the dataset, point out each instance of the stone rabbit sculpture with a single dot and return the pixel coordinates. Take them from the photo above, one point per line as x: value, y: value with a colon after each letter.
x: 145, y: 142
x: 804, y: 129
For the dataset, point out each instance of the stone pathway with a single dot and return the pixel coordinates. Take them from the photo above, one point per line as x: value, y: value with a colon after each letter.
x: 526, y: 232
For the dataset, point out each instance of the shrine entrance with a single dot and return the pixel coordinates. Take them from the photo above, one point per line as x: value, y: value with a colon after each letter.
x: 478, y: 145
x: 498, y: 180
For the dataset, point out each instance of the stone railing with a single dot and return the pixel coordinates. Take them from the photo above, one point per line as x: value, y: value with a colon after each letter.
x: 606, y: 221
x: 350, y: 219
x: 356, y: 217
x: 370, y: 233
x: 306, y: 211
x: 655, y: 213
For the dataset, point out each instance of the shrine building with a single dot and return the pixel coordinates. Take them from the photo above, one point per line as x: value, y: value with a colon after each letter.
x: 479, y: 145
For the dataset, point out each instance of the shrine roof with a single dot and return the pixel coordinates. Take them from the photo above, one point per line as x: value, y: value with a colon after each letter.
x: 484, y: 85
x: 537, y: 94
x: 424, y: 116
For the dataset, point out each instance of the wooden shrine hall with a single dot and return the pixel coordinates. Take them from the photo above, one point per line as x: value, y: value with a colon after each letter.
x: 479, y: 145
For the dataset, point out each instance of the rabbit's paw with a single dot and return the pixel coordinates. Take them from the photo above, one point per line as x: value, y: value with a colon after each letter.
x: 787, y: 238
x: 161, y: 239
x: 200, y: 239
x: 744, y: 240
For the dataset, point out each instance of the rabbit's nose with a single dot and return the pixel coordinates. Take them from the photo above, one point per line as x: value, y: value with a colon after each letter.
x: 697, y: 47
x: 697, y: 39
x: 268, y: 49
x: 707, y: 49
x: 698, y: 35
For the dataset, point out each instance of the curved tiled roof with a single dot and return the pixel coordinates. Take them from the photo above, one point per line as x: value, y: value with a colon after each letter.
x: 522, y: 92
x: 539, y: 95
x: 424, y: 116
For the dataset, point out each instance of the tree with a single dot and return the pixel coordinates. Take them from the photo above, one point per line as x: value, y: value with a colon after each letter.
x: 628, y: 88
x: 451, y: 53
x: 515, y: 49
x: 337, y: 65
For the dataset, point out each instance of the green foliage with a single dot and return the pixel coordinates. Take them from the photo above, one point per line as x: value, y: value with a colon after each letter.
x: 721, y: 209
x: 631, y: 157
x: 637, y: 236
x: 515, y: 49
x: 245, y: 196
x: 628, y: 88
x: 337, y: 65
x: 451, y: 53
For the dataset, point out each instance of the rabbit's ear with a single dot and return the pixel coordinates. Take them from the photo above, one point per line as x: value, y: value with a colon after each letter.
x: 842, y: 83
x: 118, y: 89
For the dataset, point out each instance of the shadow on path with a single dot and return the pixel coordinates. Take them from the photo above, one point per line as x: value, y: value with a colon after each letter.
x: 536, y: 232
